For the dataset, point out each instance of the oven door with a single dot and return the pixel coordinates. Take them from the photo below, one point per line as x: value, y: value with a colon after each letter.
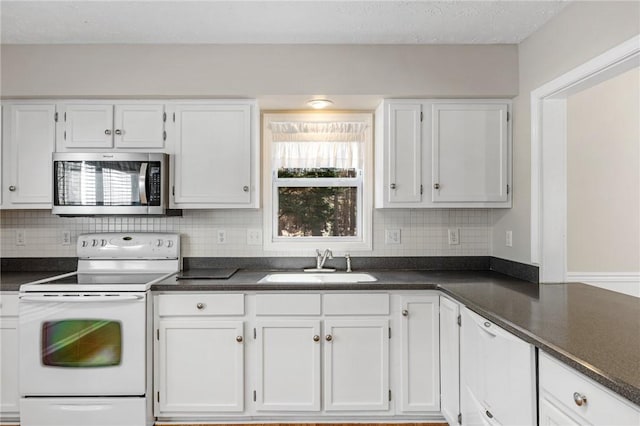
x: 82, y: 344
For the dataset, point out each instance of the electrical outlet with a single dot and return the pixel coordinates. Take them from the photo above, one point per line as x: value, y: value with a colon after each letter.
x: 509, y: 239
x: 20, y: 237
x: 221, y: 236
x: 392, y: 236
x: 254, y: 237
x: 454, y: 236
x: 65, y: 239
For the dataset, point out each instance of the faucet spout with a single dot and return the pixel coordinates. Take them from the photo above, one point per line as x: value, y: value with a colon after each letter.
x: 321, y: 258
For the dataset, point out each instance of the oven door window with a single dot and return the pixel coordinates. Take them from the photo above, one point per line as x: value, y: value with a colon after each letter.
x: 81, y: 343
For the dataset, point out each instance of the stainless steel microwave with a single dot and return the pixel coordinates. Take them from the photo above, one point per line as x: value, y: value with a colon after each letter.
x: 110, y: 184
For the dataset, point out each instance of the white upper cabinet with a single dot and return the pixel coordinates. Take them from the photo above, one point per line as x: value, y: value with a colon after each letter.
x: 27, y: 145
x: 103, y: 126
x: 470, y: 151
x: 443, y: 153
x: 215, y: 157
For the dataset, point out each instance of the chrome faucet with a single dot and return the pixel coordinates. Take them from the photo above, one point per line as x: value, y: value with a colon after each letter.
x: 321, y: 258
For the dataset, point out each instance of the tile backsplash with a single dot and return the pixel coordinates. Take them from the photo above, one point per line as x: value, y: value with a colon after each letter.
x: 423, y: 232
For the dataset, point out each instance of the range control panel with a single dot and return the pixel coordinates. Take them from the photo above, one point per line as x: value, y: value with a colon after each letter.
x: 132, y: 245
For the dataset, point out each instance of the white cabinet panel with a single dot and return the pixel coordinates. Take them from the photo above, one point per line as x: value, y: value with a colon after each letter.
x: 405, y: 153
x: 497, y: 375
x: 28, y: 144
x: 449, y: 359
x: 288, y: 365
x: 356, y: 373
x: 9, y: 396
x: 88, y: 126
x: 214, y: 156
x: 560, y: 386
x: 139, y: 126
x: 470, y: 152
x: 201, y: 366
x: 419, y: 365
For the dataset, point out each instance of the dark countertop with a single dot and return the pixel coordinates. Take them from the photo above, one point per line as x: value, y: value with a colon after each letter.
x: 595, y: 331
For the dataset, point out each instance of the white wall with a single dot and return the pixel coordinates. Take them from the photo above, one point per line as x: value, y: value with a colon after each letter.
x: 258, y: 70
x: 580, y: 32
x: 603, y: 176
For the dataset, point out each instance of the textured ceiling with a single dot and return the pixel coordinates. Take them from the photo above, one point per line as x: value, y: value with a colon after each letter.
x: 302, y: 21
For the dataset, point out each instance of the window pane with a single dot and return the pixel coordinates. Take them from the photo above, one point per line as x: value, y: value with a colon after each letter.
x: 317, y: 173
x: 317, y: 211
x: 81, y: 343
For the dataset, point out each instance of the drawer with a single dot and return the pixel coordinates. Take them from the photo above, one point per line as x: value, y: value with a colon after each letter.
x: 356, y: 304
x: 558, y: 383
x: 288, y: 304
x: 201, y: 304
x: 8, y: 305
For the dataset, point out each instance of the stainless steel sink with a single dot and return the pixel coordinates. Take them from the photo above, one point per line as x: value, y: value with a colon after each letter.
x: 318, y: 278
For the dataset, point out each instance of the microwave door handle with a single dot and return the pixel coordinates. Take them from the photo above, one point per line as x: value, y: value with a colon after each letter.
x: 142, y: 184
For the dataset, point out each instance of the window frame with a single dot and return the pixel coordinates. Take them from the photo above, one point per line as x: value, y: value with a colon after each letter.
x: 363, y: 182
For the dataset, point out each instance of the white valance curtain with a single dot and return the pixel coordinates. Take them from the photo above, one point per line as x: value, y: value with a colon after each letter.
x: 307, y: 144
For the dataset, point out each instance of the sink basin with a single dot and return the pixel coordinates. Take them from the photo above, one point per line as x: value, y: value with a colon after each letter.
x: 318, y: 278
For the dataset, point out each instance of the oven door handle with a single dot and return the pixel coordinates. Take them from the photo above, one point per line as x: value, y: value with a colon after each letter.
x: 57, y: 299
x: 81, y: 407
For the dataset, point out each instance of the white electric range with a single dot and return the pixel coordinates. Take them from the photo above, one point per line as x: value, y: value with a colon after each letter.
x: 85, y: 337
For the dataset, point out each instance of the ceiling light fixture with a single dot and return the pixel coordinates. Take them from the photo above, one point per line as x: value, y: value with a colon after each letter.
x: 319, y: 103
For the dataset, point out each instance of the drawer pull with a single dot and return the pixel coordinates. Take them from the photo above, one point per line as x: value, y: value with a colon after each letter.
x: 579, y: 399
x: 200, y: 306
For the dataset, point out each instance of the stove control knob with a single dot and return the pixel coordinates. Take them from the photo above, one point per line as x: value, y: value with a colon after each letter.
x: 84, y: 243
x: 169, y: 243
x: 159, y: 243
x: 94, y: 243
x: 103, y: 243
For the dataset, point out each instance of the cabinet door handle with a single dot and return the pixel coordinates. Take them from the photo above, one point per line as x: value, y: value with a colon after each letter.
x: 107, y: 132
x: 393, y: 186
x: 245, y: 188
x: 579, y: 399
x: 118, y: 132
x: 405, y: 313
x: 200, y: 306
x: 239, y: 339
x: 12, y: 188
x: 316, y: 338
x: 328, y: 337
x: 436, y: 186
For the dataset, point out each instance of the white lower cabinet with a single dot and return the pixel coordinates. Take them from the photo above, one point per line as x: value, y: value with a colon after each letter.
x: 420, y: 362
x: 356, y: 364
x: 449, y: 359
x: 9, y: 396
x: 567, y: 397
x: 288, y: 365
x: 497, y: 375
x: 200, y: 355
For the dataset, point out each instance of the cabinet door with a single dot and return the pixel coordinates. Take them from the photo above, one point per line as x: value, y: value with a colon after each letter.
x: 470, y: 152
x: 139, y: 126
x: 497, y: 375
x: 288, y: 367
x: 9, y: 397
x: 28, y: 145
x: 404, y: 153
x: 356, y: 365
x: 201, y: 366
x: 449, y: 359
x: 213, y: 156
x: 419, y: 365
x: 88, y: 126
x: 551, y: 415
